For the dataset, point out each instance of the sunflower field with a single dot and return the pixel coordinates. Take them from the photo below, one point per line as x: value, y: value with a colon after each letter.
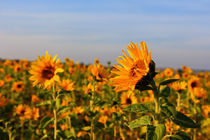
x: 52, y: 99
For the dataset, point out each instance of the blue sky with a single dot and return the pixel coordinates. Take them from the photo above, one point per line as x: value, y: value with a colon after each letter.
x: 177, y: 32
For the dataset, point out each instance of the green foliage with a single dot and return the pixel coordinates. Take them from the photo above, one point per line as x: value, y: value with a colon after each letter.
x: 155, y: 132
x: 164, y: 92
x: 138, y: 108
x: 184, y: 121
x: 142, y: 121
x: 166, y: 82
x: 45, y: 122
x: 180, y: 135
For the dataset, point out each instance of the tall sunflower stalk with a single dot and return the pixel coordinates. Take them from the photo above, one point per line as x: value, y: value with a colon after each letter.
x: 44, y: 73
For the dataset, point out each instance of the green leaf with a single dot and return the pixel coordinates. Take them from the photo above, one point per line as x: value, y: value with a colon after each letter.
x: 180, y: 136
x: 150, y: 135
x: 63, y: 109
x: 184, y: 121
x: 143, y: 121
x: 44, y: 103
x: 155, y: 132
x: 137, y: 108
x: 165, y: 92
x: 166, y: 82
x: 168, y: 109
x: 45, y: 122
x: 160, y: 131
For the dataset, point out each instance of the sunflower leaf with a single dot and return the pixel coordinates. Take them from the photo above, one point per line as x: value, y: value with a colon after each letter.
x: 143, y: 121
x: 180, y: 135
x: 168, y: 109
x: 44, y: 103
x: 184, y: 121
x: 137, y: 108
x: 155, y: 132
x: 164, y: 92
x: 45, y: 122
x: 166, y: 82
x: 63, y: 109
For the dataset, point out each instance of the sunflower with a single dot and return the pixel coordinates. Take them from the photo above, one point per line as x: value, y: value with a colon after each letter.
x: 3, y: 101
x: 23, y: 111
x: 179, y: 86
x: 185, y: 75
x: 35, y: 99
x: 17, y: 68
x: 17, y: 86
x: 99, y: 72
x: 168, y: 72
x: 186, y: 69
x: 64, y: 127
x: 135, y: 69
x: 67, y: 84
x: 44, y: 71
x: 200, y: 92
x: 128, y: 99
x: 8, y: 78
x: 103, y: 119
x: 35, y: 113
x: 96, y: 61
x: 1, y: 83
x: 193, y: 83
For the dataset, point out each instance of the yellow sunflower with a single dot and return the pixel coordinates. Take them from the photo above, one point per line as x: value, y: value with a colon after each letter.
x: 99, y: 72
x: 128, y: 99
x: 1, y: 83
x: 179, y: 86
x: 168, y: 72
x: 3, y: 101
x: 193, y: 83
x: 35, y: 113
x: 44, y: 71
x: 67, y: 84
x: 17, y: 86
x: 23, y: 111
x: 134, y: 69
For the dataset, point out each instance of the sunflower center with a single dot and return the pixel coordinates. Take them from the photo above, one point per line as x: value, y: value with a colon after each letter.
x: 138, y: 68
x: 193, y: 84
x: 48, y: 72
x: 19, y: 86
x: 22, y: 112
x: 128, y: 101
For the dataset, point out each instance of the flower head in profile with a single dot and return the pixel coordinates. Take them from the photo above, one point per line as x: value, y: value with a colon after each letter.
x: 179, y: 86
x: 44, y: 71
x: 134, y: 70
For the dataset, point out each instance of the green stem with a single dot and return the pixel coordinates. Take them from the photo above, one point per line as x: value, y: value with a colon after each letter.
x: 92, y: 134
x: 22, y: 131
x: 194, y: 130
x: 178, y: 101
x: 156, y: 97
x: 55, y: 113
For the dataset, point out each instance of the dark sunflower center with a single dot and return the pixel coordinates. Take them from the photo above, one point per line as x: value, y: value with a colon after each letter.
x: 19, y: 86
x: 48, y: 72
x: 134, y: 70
x: 193, y: 84
x: 128, y: 101
x: 22, y: 112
